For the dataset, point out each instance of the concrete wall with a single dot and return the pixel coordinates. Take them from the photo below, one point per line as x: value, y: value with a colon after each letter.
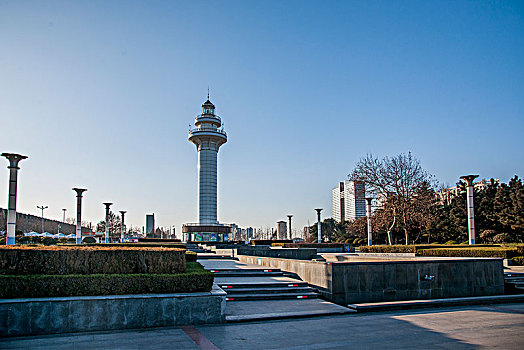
x: 96, y: 313
x: 390, y: 280
x: 27, y: 223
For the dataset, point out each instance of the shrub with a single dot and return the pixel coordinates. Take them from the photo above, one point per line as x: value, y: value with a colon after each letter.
x: 503, y: 238
x: 191, y: 256
x: 520, y: 249
x: 388, y: 249
x: 451, y: 242
x: 481, y: 252
x: 518, y: 260
x: 67, y: 260
x: 196, y: 279
x: 89, y: 240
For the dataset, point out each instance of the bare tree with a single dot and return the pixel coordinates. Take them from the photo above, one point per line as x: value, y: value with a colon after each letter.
x: 397, y: 181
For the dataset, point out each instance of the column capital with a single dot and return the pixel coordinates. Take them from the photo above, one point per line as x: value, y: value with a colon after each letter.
x: 107, y: 204
x: 368, y: 200
x: 469, y: 179
x: 79, y: 191
x: 122, y: 212
x: 13, y: 158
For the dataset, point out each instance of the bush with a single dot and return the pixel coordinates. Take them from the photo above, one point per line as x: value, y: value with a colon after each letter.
x: 196, y: 279
x: 518, y: 260
x: 68, y: 260
x: 191, y: 256
x: 503, y: 238
x: 89, y: 240
x: 315, y: 245
x: 495, y: 252
x: 388, y: 249
x: 520, y: 249
x: 451, y: 242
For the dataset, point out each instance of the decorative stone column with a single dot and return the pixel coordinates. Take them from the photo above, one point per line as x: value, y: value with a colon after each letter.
x: 368, y: 215
x: 79, y: 192
x: 107, y: 220
x: 471, y: 210
x: 319, y: 226
x: 122, y: 212
x: 11, y: 202
x: 289, y: 220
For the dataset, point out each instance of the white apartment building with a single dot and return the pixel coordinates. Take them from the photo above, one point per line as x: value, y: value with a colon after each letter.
x: 349, y: 201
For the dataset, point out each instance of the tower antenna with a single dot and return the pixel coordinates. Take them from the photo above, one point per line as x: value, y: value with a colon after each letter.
x: 208, y: 92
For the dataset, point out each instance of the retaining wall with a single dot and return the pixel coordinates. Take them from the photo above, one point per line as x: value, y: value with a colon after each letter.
x: 32, y: 316
x: 390, y: 280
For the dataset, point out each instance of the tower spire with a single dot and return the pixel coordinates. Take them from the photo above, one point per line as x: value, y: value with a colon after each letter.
x: 208, y: 92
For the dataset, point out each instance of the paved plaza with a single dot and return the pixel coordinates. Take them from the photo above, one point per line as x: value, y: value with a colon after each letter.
x: 474, y: 327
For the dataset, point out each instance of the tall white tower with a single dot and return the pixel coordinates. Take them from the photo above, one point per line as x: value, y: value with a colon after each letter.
x: 207, y: 137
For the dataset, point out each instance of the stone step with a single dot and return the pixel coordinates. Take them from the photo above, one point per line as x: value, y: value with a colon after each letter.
x: 271, y: 296
x: 513, y: 279
x: 246, y: 272
x: 214, y: 256
x: 228, y: 286
x: 293, y: 290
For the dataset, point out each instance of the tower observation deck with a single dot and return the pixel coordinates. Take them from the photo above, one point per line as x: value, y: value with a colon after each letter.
x: 208, y: 136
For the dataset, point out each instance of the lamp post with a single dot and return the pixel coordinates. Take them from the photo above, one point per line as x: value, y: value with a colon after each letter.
x: 368, y: 214
x: 63, y: 217
x: 289, y: 220
x: 42, y: 208
x: 122, y: 212
x: 471, y: 210
x: 11, y: 201
x: 319, y: 225
x: 79, y: 192
x: 107, y: 220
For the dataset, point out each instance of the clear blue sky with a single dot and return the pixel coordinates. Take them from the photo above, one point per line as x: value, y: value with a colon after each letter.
x: 100, y: 94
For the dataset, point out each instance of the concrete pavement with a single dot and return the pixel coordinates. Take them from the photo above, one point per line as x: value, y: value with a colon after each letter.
x: 473, y: 327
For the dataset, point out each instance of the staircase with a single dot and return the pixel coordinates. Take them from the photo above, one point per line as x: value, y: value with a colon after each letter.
x: 253, y: 284
x: 514, y: 283
x: 196, y: 248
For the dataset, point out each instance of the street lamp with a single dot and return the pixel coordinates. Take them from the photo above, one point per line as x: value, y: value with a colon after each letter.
x: 64, y: 210
x: 42, y: 208
x: 122, y: 212
x: 319, y: 225
x: 107, y: 220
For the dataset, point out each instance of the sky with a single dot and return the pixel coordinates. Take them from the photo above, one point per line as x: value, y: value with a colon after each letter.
x: 100, y: 94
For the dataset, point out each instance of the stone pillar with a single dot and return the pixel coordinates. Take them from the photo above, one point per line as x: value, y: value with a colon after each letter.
x: 289, y: 220
x: 122, y: 212
x: 368, y: 215
x: 107, y: 220
x: 471, y: 210
x: 79, y: 192
x: 319, y: 226
x: 11, y: 201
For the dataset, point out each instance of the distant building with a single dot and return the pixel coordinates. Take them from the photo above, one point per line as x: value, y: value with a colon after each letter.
x: 250, y: 233
x: 349, y: 201
x: 150, y: 223
x: 446, y: 194
x: 281, y: 230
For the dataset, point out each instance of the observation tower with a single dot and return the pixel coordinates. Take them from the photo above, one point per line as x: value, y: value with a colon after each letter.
x: 208, y: 136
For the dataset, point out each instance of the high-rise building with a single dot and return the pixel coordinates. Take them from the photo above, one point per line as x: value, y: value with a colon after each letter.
x: 207, y: 137
x: 349, y: 201
x: 281, y: 230
x: 150, y: 223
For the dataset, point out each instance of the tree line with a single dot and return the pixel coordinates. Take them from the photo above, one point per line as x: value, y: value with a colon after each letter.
x: 408, y: 209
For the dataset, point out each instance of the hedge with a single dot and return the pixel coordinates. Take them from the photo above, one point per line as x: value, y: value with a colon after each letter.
x: 191, y: 256
x: 518, y: 260
x: 316, y: 245
x: 506, y: 253
x: 269, y: 241
x: 70, y: 260
x: 138, y: 245
x: 196, y: 279
x: 520, y: 249
x: 415, y: 248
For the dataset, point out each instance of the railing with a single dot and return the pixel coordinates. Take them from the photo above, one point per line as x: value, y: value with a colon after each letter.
x: 211, y: 116
x: 192, y: 131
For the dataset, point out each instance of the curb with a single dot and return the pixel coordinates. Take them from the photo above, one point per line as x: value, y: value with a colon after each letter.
x: 430, y: 303
x: 284, y: 315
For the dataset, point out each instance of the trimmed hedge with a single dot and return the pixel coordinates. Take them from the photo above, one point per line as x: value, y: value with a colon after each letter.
x: 196, y: 279
x: 315, y: 245
x: 71, y: 260
x: 137, y: 245
x: 506, y: 253
x: 269, y: 241
x: 518, y: 260
x: 159, y: 240
x: 520, y: 249
x: 191, y: 256
x: 415, y: 248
